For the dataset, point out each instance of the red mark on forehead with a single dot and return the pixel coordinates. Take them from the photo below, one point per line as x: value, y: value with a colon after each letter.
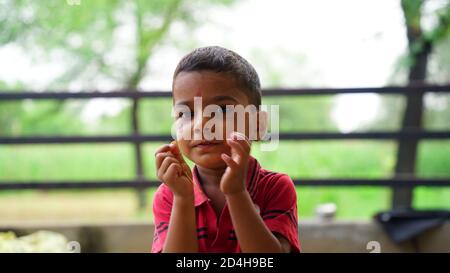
x: 198, y: 93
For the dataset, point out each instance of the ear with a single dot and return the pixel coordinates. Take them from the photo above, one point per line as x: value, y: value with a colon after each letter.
x: 263, y: 121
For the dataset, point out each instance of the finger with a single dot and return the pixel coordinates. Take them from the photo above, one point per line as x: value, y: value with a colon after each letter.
x: 237, y: 145
x: 229, y: 161
x: 176, y: 151
x: 186, y: 170
x: 243, y: 140
x: 165, y: 164
x: 173, y: 171
x: 162, y: 149
x: 160, y: 158
x: 237, y: 151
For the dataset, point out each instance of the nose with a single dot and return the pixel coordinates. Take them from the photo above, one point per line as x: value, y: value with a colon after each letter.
x: 199, y: 120
x: 201, y: 129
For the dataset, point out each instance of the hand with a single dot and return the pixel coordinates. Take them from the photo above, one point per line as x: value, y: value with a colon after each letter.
x: 173, y: 171
x: 233, y: 180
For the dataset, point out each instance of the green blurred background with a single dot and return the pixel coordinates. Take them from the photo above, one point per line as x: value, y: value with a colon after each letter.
x: 80, y: 46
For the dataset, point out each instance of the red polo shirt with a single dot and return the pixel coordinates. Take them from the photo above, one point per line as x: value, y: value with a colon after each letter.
x: 272, y: 193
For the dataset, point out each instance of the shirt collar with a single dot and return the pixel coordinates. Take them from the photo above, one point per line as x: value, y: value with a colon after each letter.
x: 200, y: 197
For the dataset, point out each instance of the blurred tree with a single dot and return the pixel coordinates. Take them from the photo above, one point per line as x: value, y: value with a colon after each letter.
x: 83, y: 35
x: 421, y: 43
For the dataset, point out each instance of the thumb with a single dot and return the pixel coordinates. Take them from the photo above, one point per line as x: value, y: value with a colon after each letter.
x: 176, y: 151
x: 179, y: 157
x: 186, y: 170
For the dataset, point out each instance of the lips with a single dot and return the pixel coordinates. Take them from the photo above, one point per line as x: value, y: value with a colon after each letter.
x: 204, y: 143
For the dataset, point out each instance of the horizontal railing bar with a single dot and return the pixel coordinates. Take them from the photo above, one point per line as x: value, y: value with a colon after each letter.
x: 329, y: 182
x: 405, y: 134
x: 62, y: 95
x: 82, y: 139
x: 78, y: 185
x: 282, y: 136
x: 358, y: 90
x: 83, y: 95
x: 386, y: 182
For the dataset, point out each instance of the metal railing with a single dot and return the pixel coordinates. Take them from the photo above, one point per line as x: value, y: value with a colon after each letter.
x: 397, y: 182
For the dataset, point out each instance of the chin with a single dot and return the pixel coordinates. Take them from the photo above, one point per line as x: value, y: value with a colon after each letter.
x: 209, y: 160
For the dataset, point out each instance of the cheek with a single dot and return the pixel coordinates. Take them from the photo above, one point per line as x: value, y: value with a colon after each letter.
x: 219, y: 128
x: 184, y: 146
x: 238, y: 123
x: 183, y: 129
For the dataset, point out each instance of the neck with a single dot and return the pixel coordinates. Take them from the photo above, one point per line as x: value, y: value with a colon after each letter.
x: 210, y: 177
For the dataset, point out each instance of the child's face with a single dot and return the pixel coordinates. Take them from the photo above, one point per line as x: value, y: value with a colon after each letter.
x: 214, y: 89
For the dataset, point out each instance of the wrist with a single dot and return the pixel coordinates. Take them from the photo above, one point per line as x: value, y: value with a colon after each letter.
x: 237, y: 193
x: 183, y: 199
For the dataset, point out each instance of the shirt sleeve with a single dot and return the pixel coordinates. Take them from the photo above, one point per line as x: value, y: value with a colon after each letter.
x: 162, y: 207
x: 280, y: 210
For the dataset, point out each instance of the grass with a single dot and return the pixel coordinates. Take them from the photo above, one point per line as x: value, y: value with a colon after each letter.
x: 307, y: 159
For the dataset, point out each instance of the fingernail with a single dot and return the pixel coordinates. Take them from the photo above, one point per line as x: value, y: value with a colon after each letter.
x: 239, y: 136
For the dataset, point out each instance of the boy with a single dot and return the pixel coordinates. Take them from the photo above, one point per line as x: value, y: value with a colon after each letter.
x: 228, y: 203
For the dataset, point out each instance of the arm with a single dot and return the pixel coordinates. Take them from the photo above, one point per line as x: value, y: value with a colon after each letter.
x: 172, y: 171
x: 251, y: 231
x: 182, y: 234
x: 253, y: 235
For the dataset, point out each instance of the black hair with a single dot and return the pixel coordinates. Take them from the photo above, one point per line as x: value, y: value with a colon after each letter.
x: 219, y: 59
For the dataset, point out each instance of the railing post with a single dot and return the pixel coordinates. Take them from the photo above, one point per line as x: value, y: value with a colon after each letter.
x: 407, y: 150
x: 139, y: 169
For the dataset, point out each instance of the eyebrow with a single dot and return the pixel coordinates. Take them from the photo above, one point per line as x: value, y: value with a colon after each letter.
x: 222, y: 97
x: 216, y: 98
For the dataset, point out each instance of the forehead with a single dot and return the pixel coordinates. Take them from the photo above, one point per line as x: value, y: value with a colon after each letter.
x: 211, y: 86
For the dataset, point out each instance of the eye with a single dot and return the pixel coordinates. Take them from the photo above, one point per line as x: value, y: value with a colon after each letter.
x: 225, y: 109
x: 221, y: 110
x: 184, y: 114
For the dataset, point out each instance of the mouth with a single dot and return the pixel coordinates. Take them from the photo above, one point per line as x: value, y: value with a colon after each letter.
x: 204, y: 144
